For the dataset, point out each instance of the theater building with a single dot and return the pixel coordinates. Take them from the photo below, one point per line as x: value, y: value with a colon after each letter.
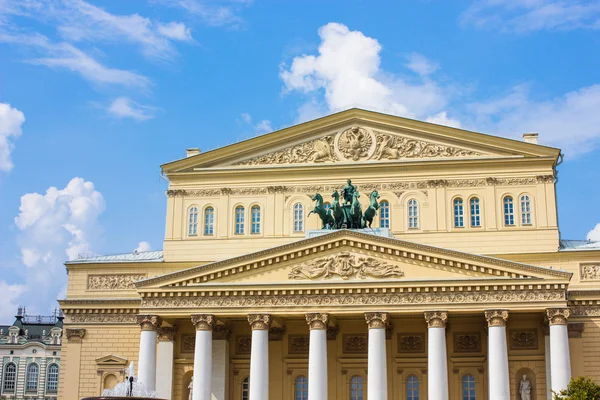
x: 461, y: 288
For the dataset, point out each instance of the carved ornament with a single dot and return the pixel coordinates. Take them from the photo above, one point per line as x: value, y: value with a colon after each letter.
x: 436, y: 319
x: 75, y: 335
x: 102, y: 318
x: 355, y: 344
x: 221, y: 332
x: 377, y: 320
x: 276, y: 333
x: 243, y: 344
x: 411, y: 343
x: 204, y: 322
x: 149, y: 322
x: 259, y: 321
x: 332, y: 332
x: 345, y: 265
x: 496, y: 317
x: 113, y: 282
x: 317, y: 320
x: 167, y: 333
x: 188, y: 343
x: 524, y: 339
x: 585, y: 311
x: 575, y: 329
x: 298, y: 344
x: 590, y: 272
x: 558, y: 316
x: 469, y: 342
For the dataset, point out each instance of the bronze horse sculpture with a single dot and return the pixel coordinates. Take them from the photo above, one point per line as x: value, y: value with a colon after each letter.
x: 371, y: 211
x: 322, y: 212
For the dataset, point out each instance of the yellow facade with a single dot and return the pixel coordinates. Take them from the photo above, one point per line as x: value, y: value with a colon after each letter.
x: 231, y: 268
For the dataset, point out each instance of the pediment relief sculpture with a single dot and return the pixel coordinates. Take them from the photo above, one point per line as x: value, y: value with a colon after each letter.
x: 345, y: 265
x: 358, y: 144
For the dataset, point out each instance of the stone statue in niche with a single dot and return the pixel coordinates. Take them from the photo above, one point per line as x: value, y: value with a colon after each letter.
x: 191, y: 387
x: 525, y: 388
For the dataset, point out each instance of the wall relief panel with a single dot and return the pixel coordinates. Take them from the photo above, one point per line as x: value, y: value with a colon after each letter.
x: 590, y: 272
x: 298, y: 344
x: 355, y: 343
x: 523, y: 339
x: 113, y: 282
x: 188, y: 343
x: 411, y: 343
x: 467, y: 342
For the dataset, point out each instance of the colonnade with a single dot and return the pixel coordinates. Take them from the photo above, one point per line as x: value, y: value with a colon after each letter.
x: 437, y: 365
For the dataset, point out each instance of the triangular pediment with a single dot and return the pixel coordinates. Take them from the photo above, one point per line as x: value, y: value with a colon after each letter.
x: 111, y: 360
x: 348, y: 257
x: 359, y: 136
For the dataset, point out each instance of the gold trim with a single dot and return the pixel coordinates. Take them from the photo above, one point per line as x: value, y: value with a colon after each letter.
x: 496, y: 317
x: 203, y: 322
x: 436, y: 319
x: 377, y: 320
x: 558, y: 316
x: 259, y: 321
x: 149, y: 322
x: 317, y: 320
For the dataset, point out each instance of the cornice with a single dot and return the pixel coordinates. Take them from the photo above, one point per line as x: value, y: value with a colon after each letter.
x: 78, y: 302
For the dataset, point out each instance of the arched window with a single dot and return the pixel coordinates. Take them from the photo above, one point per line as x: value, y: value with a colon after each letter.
x: 356, y: 388
x: 209, y: 221
x: 10, y: 378
x: 298, y: 217
x: 413, y: 214
x: 475, y: 212
x: 468, y: 387
x: 239, y: 220
x: 255, y: 219
x: 52, y: 381
x: 459, y: 213
x: 193, y: 222
x: 301, y: 389
x: 246, y: 388
x: 525, y: 210
x: 412, y: 388
x: 384, y: 214
x: 509, y: 211
x: 33, y: 372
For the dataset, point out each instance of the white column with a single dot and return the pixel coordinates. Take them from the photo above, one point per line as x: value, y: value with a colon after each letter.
x: 201, y: 388
x: 560, y: 361
x: 317, y: 356
x: 377, y: 364
x: 498, y: 380
x: 259, y: 356
x: 164, y: 362
x: 547, y: 362
x: 147, y: 355
x: 437, y: 363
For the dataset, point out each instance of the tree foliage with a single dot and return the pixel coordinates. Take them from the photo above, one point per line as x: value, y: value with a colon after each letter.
x: 580, y: 388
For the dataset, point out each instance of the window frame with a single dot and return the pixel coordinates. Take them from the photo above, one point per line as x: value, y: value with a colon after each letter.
x: 471, y: 387
x: 49, y: 375
x: 298, y: 217
x: 254, y: 223
x: 476, y: 215
x: 458, y: 216
x: 206, y: 224
x: 245, y: 386
x: 193, y: 223
x: 411, y: 389
x: 29, y: 381
x: 529, y: 210
x: 14, y: 378
x: 413, y: 220
x: 385, y: 212
x: 301, y: 392
x: 239, y: 225
x: 357, y: 393
x: 508, y: 210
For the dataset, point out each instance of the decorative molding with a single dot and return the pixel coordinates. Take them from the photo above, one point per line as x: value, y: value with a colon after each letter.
x: 167, y: 334
x: 315, y: 151
x: 589, y: 272
x: 436, y: 319
x: 96, y: 318
x: 221, y: 332
x: 149, y: 322
x: 203, y: 322
x: 259, y: 321
x: 496, y: 317
x: 411, y: 343
x: 298, y: 344
x: 114, y: 281
x: 523, y: 339
x: 558, y: 316
x: 276, y: 333
x: 355, y: 343
x: 345, y: 265
x: 377, y: 320
x: 467, y: 342
x: 575, y: 329
x: 332, y: 332
x: 75, y: 335
x: 395, y: 147
x: 585, y: 311
x: 317, y: 320
x: 188, y: 343
x: 243, y: 344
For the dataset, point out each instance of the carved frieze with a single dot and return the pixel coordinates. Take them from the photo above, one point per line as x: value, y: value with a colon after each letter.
x: 298, y: 344
x: 585, y: 311
x: 113, y: 281
x: 315, y: 151
x: 188, y: 343
x: 467, y: 342
x: 523, y: 339
x: 243, y: 344
x: 590, y: 272
x: 411, y: 342
x: 345, y: 265
x: 102, y: 318
x: 355, y: 343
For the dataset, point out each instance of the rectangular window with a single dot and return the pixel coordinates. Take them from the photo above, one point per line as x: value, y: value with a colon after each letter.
x: 255, y: 220
x: 509, y: 212
x: 475, y: 213
x: 459, y: 214
x: 239, y: 221
x: 209, y: 221
x: 384, y: 214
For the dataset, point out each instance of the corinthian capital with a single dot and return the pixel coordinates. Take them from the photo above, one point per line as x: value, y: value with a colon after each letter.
x: 75, y: 335
x: 149, y: 322
x: 496, y: 317
x: 377, y: 319
x: 259, y: 321
x: 317, y: 320
x: 203, y: 322
x: 558, y: 316
x: 167, y: 334
x: 436, y: 319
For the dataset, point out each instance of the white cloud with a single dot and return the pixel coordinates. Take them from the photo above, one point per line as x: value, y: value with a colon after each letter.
x: 263, y: 126
x: 214, y: 13
x: 175, y: 31
x: 594, y: 234
x: 247, y: 118
x: 11, y: 295
x: 347, y: 72
x: 443, y: 119
x: 532, y: 15
x: 143, y: 246
x: 11, y: 121
x: 123, y: 107
x: 420, y: 64
x: 54, y: 226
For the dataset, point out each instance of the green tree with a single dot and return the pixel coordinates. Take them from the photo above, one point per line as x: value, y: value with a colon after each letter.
x: 580, y: 388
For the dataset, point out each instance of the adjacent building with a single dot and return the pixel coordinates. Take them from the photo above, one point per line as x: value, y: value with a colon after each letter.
x: 462, y: 287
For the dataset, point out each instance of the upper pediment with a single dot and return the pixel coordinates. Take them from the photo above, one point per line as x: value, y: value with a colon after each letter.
x: 359, y: 136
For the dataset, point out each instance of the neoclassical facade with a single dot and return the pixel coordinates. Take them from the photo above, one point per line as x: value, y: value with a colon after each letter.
x: 461, y: 288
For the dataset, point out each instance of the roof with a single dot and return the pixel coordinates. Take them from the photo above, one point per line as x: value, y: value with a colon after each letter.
x: 579, y: 245
x: 143, y: 256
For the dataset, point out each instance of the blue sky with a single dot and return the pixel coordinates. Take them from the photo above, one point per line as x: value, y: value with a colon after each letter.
x: 94, y: 96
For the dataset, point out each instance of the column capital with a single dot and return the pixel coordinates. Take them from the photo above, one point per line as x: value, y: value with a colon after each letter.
x: 436, y: 319
x: 558, y: 316
x: 496, y: 317
x: 377, y: 319
x: 167, y: 333
x: 317, y: 320
x: 203, y: 322
x: 259, y: 321
x: 149, y: 322
x: 75, y: 335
